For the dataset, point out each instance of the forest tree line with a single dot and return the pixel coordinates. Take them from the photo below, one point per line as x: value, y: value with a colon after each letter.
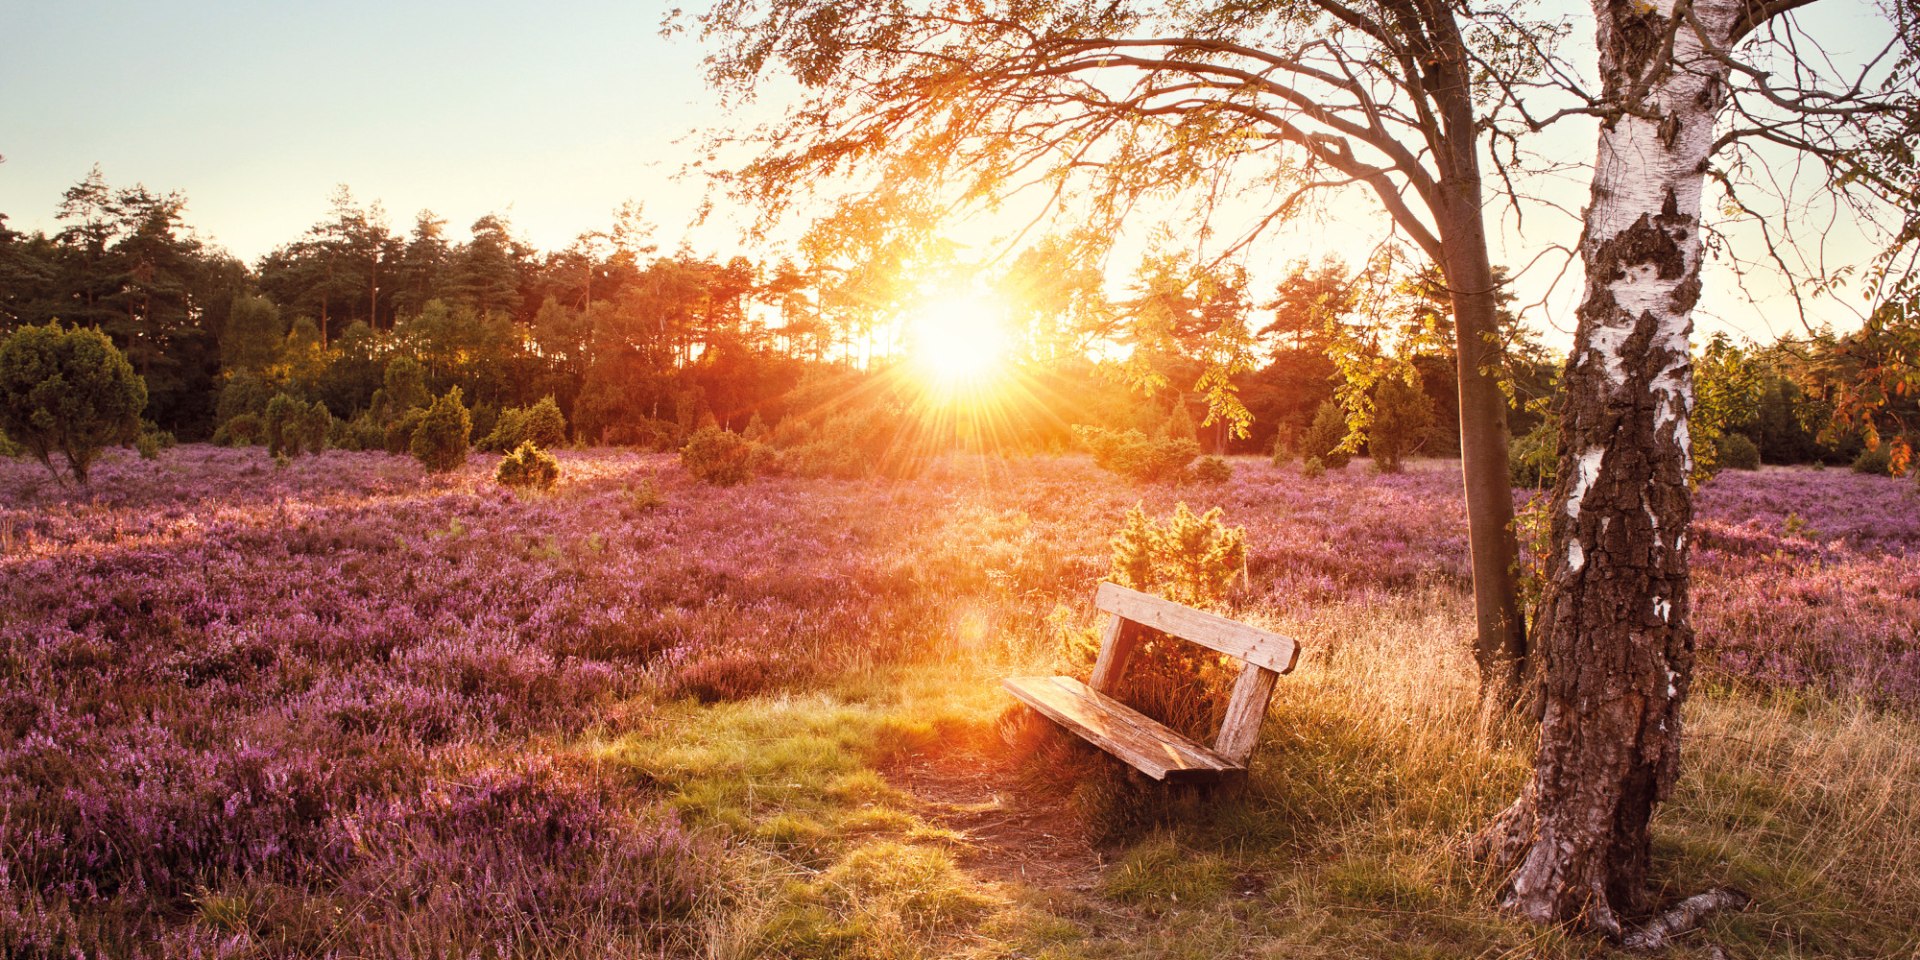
x: 639, y: 347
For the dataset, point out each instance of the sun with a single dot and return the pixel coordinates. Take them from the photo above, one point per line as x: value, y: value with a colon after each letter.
x: 958, y: 343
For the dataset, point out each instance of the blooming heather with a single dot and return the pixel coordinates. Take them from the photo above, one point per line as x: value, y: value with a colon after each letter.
x: 288, y: 708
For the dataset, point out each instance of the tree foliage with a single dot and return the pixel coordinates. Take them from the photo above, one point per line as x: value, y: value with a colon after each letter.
x: 67, y: 391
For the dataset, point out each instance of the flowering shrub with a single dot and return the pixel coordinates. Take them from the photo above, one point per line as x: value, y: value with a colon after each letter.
x: 528, y: 466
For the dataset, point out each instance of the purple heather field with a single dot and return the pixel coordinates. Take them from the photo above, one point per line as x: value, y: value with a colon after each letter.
x: 342, y: 689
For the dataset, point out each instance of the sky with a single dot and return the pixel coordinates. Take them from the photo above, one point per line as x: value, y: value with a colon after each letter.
x: 550, y: 114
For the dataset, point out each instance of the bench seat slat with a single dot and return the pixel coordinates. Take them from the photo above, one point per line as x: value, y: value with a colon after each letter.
x: 1252, y: 644
x: 1144, y: 743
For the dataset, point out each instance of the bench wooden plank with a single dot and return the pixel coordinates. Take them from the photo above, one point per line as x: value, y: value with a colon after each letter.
x: 1123, y: 636
x: 1255, y: 646
x: 1246, y: 710
x: 1144, y: 743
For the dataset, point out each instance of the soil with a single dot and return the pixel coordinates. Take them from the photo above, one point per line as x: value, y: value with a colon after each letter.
x: 1011, y: 835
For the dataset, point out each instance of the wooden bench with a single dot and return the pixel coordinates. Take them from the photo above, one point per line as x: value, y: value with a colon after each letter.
x: 1148, y: 745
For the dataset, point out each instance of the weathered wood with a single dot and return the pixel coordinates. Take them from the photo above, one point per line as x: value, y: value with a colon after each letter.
x: 1684, y: 917
x: 1121, y: 639
x: 1246, y: 709
x: 1235, y: 639
x: 1140, y: 741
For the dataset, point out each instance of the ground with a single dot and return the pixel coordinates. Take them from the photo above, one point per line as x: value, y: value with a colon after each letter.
x: 344, y: 707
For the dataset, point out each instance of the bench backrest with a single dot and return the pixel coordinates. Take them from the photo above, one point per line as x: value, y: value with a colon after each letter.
x: 1267, y: 655
x: 1231, y: 637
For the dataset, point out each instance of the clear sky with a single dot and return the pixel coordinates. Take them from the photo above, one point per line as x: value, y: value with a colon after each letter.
x: 552, y: 114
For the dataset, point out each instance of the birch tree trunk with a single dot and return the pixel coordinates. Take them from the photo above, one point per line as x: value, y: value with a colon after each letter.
x: 1613, y: 635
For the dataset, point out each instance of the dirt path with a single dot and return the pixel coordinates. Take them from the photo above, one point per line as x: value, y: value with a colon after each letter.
x: 1011, y: 836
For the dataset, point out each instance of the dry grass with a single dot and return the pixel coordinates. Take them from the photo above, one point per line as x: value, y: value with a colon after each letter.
x: 1344, y: 844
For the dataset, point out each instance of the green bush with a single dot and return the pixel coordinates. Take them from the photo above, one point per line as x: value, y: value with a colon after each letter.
x: 545, y: 425
x: 1877, y: 461
x: 1325, y: 435
x: 405, y: 386
x: 849, y: 445
x: 1136, y: 456
x: 1739, y: 452
x: 509, y: 431
x: 360, y: 433
x: 529, y: 467
x: 1402, y: 419
x: 541, y: 423
x: 246, y: 391
x: 8, y: 448
x: 283, y: 437
x: 720, y: 457
x: 1313, y: 469
x: 1282, y: 446
x: 295, y: 426
x: 151, y: 441
x: 1533, y: 460
x: 1212, y: 470
x: 440, y: 442
x: 67, y: 391
x: 399, y: 433
x: 1191, y: 559
x: 242, y: 430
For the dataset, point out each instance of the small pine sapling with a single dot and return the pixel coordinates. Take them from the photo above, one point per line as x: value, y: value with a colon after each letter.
x: 528, y: 467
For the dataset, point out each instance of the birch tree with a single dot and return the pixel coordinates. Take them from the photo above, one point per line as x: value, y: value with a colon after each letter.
x: 1681, y: 83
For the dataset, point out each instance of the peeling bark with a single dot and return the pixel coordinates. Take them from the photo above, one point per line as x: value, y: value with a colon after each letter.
x: 1613, y: 636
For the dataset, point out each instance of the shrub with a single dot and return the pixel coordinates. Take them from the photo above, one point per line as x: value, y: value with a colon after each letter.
x: 485, y: 416
x: 399, y: 433
x: 243, y: 430
x: 70, y: 392
x: 1190, y: 559
x: 1180, y: 424
x: 1402, y: 418
x: 509, y: 430
x: 1136, y: 456
x: 717, y: 456
x: 246, y: 391
x: 360, y: 433
x: 151, y: 441
x: 1877, y: 460
x: 1313, y: 469
x: 283, y: 437
x: 1739, y: 452
x: 1212, y: 470
x: 440, y: 442
x: 856, y: 443
x: 1325, y: 435
x: 545, y: 425
x: 405, y: 383
x: 1282, y: 445
x: 528, y: 466
x: 1533, y: 460
x: 8, y: 448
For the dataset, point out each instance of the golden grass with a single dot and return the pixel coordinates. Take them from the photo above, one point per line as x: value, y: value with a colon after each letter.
x: 1345, y: 842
